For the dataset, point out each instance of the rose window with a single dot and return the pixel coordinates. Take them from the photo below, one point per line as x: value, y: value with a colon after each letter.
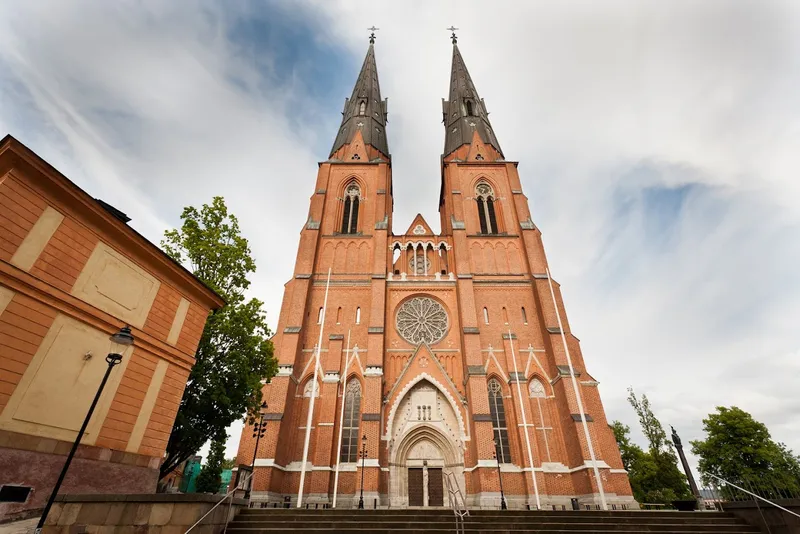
x: 422, y: 320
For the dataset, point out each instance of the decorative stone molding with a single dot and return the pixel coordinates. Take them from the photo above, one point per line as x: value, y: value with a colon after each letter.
x: 464, y: 276
x: 273, y: 416
x: 516, y: 191
x: 402, y: 393
x: 384, y: 224
x: 471, y: 330
x: 379, y: 277
x: 373, y: 370
x: 482, y: 417
x: 476, y: 370
x: 516, y: 377
x: 577, y: 417
x: 527, y: 225
x: 303, y: 276
x: 334, y: 337
x: 507, y: 336
x: 370, y: 417
x: 457, y: 225
x: 321, y: 191
x: 455, y: 192
x: 291, y: 330
x: 375, y: 330
x: 553, y: 329
x: 331, y: 377
x: 563, y: 370
x: 312, y: 224
x: 285, y: 370
x: 381, y: 191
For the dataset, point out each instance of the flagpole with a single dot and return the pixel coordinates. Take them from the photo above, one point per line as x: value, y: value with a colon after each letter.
x: 578, y: 397
x: 341, y: 420
x: 314, y: 389
x: 524, y: 422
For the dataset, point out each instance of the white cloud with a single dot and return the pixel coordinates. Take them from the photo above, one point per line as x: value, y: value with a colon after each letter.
x: 609, y: 107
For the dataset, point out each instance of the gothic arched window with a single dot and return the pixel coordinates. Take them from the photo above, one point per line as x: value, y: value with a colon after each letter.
x: 352, y: 196
x: 498, y: 413
x: 484, y: 196
x: 362, y: 107
x: 352, y: 409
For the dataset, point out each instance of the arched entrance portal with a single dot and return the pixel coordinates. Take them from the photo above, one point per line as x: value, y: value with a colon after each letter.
x: 425, y: 447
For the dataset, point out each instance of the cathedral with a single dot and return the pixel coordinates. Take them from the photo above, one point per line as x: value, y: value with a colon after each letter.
x: 414, y: 366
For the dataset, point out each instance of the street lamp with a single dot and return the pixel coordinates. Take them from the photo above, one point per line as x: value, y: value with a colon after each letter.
x: 119, y: 341
x: 259, y: 429
x: 363, y: 454
x: 500, y: 478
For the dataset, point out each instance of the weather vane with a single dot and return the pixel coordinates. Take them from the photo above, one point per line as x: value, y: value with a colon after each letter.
x: 453, y: 37
x: 372, y: 35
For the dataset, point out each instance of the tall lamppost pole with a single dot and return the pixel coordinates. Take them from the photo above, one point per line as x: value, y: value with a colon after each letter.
x: 363, y: 454
x: 500, y: 478
x: 259, y: 429
x: 119, y: 341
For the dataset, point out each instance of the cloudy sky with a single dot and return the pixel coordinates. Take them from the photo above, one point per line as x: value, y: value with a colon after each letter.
x: 658, y: 143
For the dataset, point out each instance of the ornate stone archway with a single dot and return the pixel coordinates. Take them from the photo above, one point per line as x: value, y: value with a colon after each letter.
x: 425, y: 436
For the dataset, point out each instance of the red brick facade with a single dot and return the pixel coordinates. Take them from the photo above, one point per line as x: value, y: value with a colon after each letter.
x: 493, y: 287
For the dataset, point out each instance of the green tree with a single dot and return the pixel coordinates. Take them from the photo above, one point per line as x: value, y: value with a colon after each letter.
x: 740, y: 450
x: 234, y: 354
x: 634, y: 459
x: 210, y: 477
x: 229, y: 463
x: 656, y: 472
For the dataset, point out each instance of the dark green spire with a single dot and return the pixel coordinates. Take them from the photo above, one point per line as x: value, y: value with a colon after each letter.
x: 365, y: 110
x: 465, y: 112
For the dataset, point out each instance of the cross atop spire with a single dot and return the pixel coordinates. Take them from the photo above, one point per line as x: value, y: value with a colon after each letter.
x: 453, y: 37
x: 373, y: 29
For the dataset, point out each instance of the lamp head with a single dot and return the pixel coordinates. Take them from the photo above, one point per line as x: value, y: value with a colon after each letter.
x: 121, y: 339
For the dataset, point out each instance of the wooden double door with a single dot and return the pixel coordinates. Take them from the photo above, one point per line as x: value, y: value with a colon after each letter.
x: 418, y: 489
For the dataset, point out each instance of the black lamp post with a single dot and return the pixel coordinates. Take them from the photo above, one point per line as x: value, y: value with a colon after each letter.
x: 363, y: 454
x: 259, y: 429
x: 500, y: 478
x: 119, y: 341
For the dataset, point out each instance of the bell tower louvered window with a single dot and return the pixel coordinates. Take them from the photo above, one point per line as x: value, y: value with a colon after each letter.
x: 350, y: 212
x: 484, y: 197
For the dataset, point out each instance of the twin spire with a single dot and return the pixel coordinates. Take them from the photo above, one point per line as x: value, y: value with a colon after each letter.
x: 366, y: 113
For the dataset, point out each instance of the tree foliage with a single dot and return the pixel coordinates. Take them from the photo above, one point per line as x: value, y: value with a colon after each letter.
x: 210, y: 477
x: 234, y: 354
x: 229, y: 463
x: 654, y: 473
x: 740, y: 450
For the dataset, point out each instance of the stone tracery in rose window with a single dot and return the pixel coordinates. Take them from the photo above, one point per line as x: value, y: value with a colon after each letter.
x: 422, y: 320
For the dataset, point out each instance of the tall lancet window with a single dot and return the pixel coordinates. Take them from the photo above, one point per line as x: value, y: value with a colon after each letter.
x: 352, y: 196
x: 362, y: 107
x: 484, y: 197
x: 352, y: 409
x: 498, y: 412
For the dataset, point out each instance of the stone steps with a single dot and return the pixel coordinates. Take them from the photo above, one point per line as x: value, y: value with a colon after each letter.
x: 391, y: 521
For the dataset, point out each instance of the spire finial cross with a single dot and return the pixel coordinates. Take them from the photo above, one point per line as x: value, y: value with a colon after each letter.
x: 373, y: 29
x: 453, y: 37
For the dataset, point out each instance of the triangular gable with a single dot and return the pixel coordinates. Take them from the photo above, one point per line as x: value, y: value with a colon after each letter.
x: 419, y: 227
x: 424, y: 361
x: 356, y: 151
x: 477, y: 150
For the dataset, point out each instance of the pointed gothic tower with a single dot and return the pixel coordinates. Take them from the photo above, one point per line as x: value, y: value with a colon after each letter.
x: 433, y: 346
x: 348, y: 224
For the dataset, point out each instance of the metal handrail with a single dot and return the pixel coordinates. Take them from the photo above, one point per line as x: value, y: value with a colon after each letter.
x: 229, y: 494
x: 453, y: 495
x: 776, y: 505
